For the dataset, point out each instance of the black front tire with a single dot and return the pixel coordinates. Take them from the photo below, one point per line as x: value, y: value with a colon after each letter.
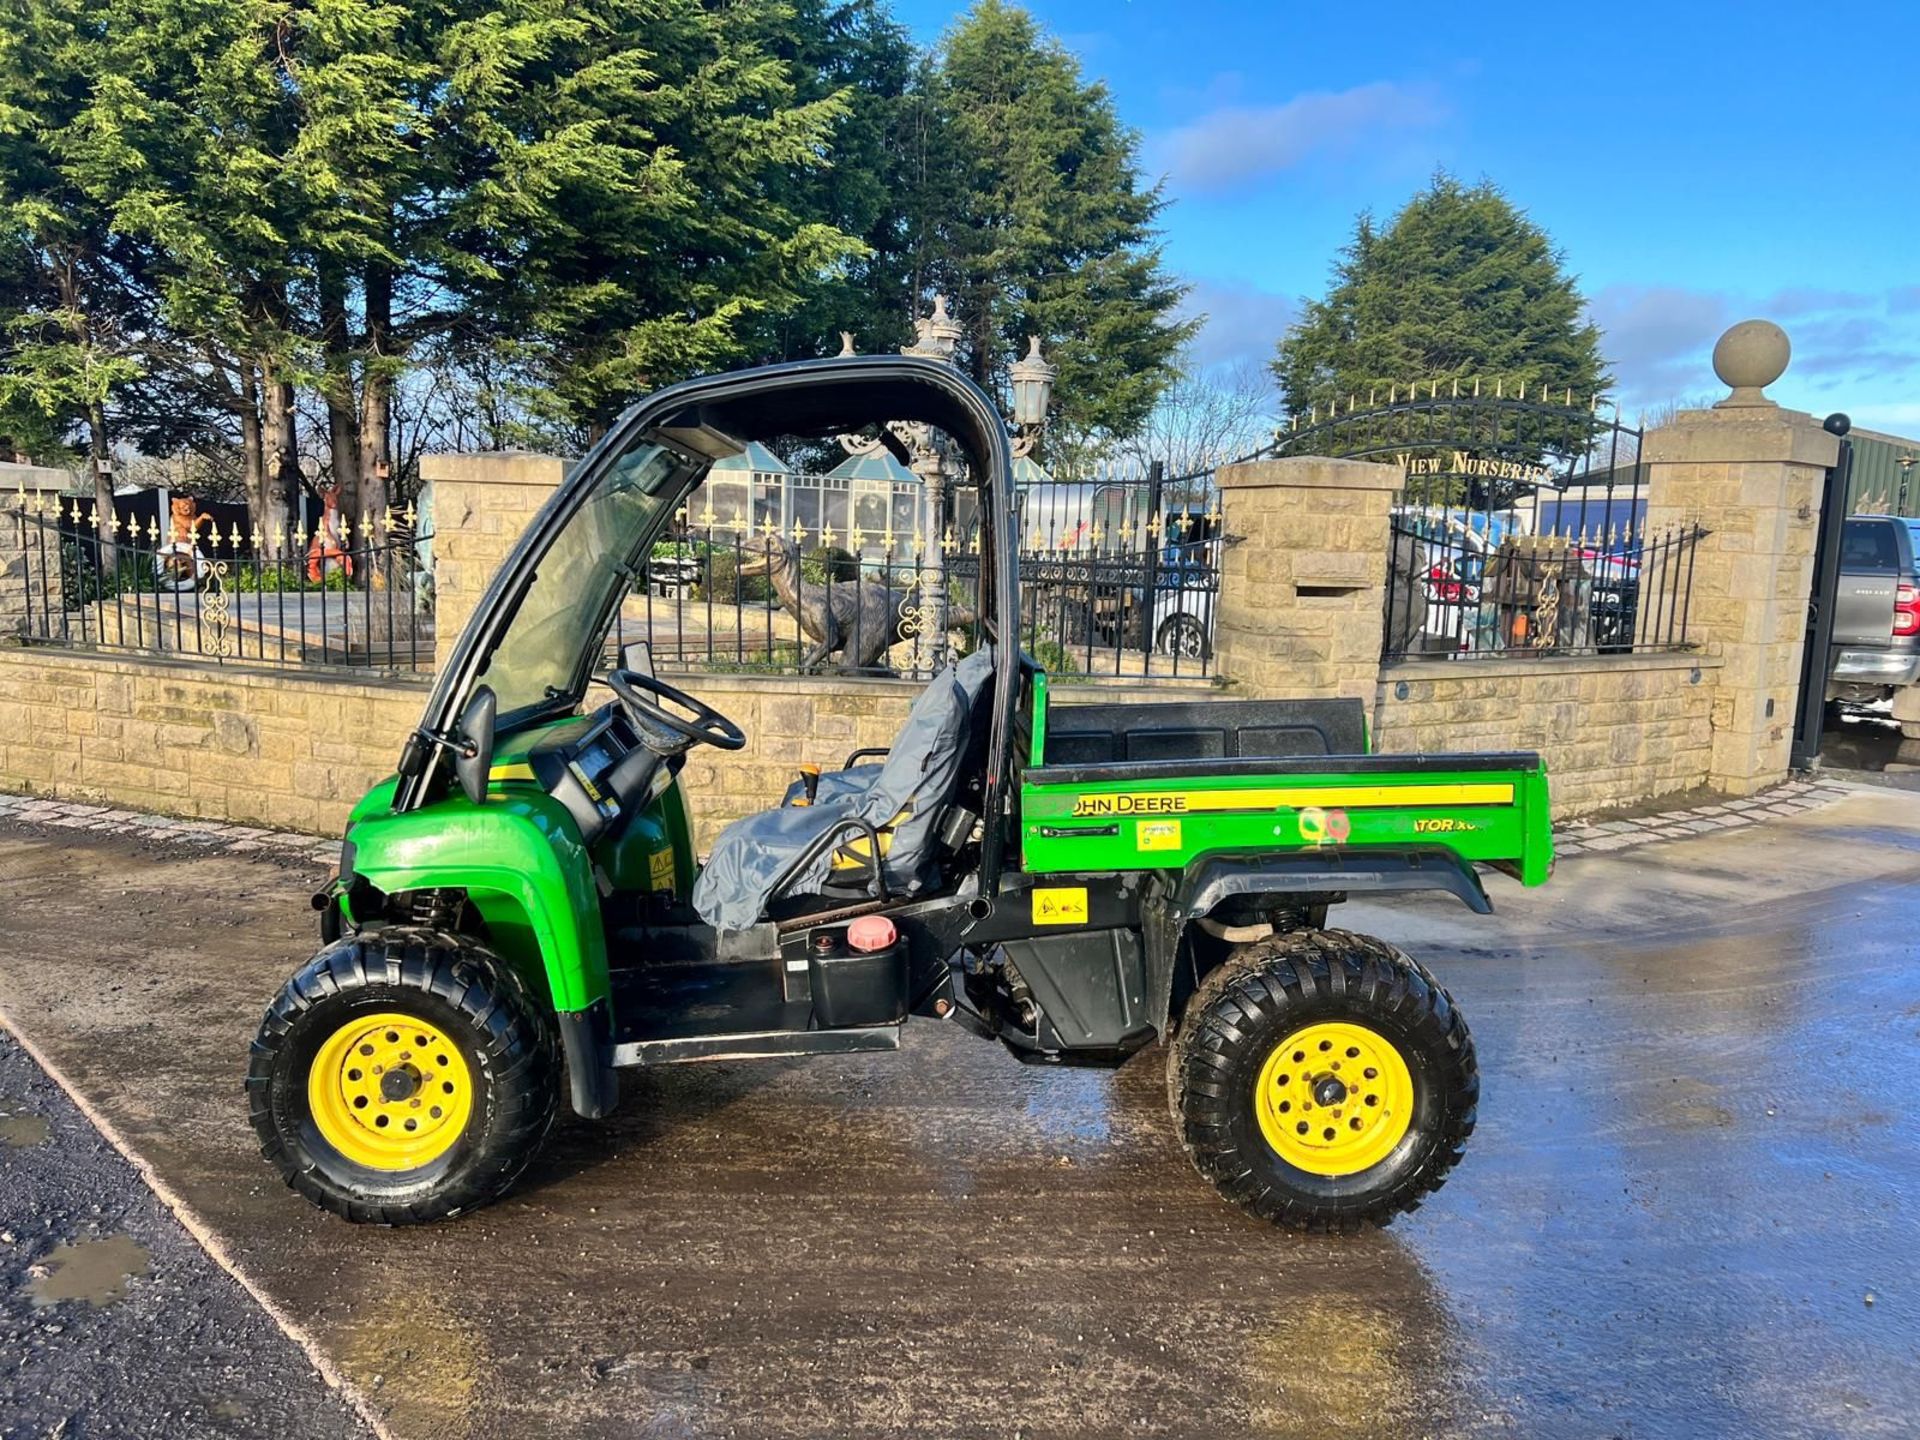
x: 1271, y: 989
x: 507, y: 1044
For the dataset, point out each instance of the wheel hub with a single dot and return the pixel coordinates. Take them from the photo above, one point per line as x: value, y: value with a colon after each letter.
x: 1334, y: 1098
x: 1328, y: 1090
x: 390, y: 1091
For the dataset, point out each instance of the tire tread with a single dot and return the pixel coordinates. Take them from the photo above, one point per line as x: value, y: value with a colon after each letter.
x: 1254, y: 989
x: 518, y: 1041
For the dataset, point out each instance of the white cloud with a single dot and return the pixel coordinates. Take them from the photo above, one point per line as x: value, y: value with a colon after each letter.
x: 1658, y: 339
x: 1243, y: 322
x: 1238, y: 145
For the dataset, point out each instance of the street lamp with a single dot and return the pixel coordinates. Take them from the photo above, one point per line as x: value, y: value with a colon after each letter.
x: 936, y: 337
x: 1905, y: 462
x: 933, y: 460
x: 1032, y: 388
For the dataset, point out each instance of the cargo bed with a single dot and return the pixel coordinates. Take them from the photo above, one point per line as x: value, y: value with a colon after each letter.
x: 1150, y: 787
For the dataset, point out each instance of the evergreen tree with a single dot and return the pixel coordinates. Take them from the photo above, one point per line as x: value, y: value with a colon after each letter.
x: 633, y: 204
x: 74, y: 290
x: 1035, y: 220
x: 1460, y: 284
x: 866, y: 190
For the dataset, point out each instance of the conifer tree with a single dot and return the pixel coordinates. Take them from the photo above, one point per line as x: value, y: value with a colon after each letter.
x: 1038, y: 222
x: 1459, y: 284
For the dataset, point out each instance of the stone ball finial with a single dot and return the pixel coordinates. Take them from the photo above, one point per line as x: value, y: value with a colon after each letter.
x: 1748, y: 358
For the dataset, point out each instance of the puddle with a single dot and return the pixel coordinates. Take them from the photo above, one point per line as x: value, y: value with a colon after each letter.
x: 20, y: 1131
x: 95, y: 1271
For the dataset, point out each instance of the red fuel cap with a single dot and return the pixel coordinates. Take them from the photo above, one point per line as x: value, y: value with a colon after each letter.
x: 871, y: 932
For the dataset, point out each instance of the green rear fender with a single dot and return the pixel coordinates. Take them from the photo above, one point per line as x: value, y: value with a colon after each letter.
x: 520, y: 860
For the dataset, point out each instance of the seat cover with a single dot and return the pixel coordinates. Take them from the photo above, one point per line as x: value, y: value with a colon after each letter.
x: 973, y: 673
x: 918, y: 777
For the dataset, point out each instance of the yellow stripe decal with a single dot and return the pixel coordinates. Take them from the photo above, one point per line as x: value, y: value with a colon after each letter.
x: 1343, y: 797
x: 510, y: 772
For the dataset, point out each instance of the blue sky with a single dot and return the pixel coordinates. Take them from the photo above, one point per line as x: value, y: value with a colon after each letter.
x: 1698, y: 163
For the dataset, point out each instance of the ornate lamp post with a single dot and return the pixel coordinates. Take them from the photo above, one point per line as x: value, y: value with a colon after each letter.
x: 1033, y: 381
x: 931, y: 458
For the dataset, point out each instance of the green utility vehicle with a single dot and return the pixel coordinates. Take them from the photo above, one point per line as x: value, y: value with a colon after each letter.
x: 519, y: 912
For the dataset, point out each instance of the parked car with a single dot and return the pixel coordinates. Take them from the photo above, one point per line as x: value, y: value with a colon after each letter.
x: 1184, y: 592
x: 1875, y: 652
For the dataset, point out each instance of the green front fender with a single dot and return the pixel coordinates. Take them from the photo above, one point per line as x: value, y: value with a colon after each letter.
x: 519, y: 858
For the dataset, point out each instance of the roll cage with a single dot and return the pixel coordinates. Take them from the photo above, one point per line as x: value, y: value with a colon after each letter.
x: 814, y: 397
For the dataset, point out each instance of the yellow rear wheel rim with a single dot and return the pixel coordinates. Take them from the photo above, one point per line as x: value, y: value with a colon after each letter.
x: 1334, y: 1098
x: 390, y: 1091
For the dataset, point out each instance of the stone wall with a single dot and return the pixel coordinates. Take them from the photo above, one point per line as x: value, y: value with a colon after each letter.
x: 1753, y: 475
x: 481, y: 504
x: 288, y: 749
x: 1303, y: 576
x: 296, y: 749
x: 1614, y: 729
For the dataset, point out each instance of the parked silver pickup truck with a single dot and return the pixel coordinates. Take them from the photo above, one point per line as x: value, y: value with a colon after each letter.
x: 1876, y: 617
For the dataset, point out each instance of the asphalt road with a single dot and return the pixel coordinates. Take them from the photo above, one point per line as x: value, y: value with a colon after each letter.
x: 1689, y: 1209
x: 113, y: 1320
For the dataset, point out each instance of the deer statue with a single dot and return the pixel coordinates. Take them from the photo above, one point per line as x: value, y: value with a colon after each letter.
x: 853, y: 622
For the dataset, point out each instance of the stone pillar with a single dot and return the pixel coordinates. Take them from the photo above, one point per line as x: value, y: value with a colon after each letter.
x: 481, y: 505
x: 24, y: 595
x: 1303, y: 576
x: 1752, y: 474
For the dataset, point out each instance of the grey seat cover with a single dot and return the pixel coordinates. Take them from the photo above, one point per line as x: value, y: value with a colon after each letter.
x: 836, y: 784
x: 918, y: 775
x: 973, y: 673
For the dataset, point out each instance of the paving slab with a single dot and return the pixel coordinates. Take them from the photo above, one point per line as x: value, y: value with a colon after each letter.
x: 1662, y: 1228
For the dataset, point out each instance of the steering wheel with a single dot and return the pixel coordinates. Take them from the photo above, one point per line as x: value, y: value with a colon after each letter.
x: 661, y: 730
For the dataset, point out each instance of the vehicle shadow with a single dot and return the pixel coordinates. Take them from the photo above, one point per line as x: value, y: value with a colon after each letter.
x: 656, y: 1106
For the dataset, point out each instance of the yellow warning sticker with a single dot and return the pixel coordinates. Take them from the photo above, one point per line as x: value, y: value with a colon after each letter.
x: 660, y: 869
x: 1063, y: 906
x: 1156, y: 835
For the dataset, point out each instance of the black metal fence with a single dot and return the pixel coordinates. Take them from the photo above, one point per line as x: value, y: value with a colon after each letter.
x: 1522, y: 529
x: 341, y: 595
x: 1115, y: 581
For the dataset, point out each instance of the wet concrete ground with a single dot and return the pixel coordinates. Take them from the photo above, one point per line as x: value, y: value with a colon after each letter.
x: 1865, y: 744
x: 1690, y: 1208
x: 113, y: 1320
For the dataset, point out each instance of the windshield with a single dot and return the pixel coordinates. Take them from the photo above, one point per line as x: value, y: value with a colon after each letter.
x: 584, y: 572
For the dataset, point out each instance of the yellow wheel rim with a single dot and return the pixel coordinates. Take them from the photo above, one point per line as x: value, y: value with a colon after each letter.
x: 1334, y: 1098
x: 390, y: 1091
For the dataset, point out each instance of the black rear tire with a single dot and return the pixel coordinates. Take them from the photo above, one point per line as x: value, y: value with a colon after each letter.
x: 1274, y: 988
x: 509, y: 1059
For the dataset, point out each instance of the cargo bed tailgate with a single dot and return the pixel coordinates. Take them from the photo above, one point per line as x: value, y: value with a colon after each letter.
x: 1156, y: 815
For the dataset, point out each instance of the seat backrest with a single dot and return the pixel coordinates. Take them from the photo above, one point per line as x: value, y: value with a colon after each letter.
x: 925, y: 766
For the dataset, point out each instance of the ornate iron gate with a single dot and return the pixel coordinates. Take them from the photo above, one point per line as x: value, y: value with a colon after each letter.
x: 1523, y: 525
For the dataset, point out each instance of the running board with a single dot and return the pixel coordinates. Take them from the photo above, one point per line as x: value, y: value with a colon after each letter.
x: 758, y: 1045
